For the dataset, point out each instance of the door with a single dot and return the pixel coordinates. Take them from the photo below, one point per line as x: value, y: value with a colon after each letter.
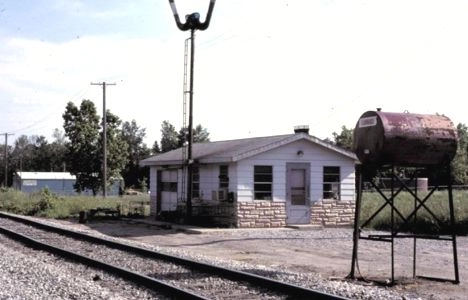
x: 168, y: 190
x: 297, y: 193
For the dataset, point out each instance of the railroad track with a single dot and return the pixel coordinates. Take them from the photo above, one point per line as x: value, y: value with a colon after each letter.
x: 170, y: 275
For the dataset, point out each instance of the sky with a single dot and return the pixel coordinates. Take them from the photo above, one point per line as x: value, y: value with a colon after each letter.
x: 261, y: 68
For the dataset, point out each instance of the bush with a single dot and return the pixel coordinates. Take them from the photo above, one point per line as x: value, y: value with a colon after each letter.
x: 46, y: 198
x: 50, y: 205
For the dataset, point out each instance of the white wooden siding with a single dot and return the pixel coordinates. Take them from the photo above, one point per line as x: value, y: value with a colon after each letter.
x: 170, y: 201
x: 180, y: 176
x: 232, y: 177
x: 209, y: 179
x: 153, y: 181
x: 317, y: 156
x: 153, y: 186
x: 348, y: 187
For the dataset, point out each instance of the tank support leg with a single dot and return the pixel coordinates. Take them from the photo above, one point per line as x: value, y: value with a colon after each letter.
x: 357, y: 212
x: 452, y: 225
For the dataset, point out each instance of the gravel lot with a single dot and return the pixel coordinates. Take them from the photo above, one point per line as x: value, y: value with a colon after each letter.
x: 304, y: 256
x: 324, y: 253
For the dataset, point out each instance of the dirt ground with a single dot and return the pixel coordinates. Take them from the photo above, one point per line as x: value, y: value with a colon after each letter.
x: 324, y: 251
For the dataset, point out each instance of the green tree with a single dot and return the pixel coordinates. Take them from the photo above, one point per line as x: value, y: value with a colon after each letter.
x: 22, y: 156
x: 117, y: 150
x: 200, y: 135
x: 169, y: 137
x: 460, y: 161
x: 133, y: 135
x: 85, y: 146
x: 5, y: 161
x: 58, y: 150
x: 35, y: 153
x: 41, y: 155
x: 344, y: 139
x: 155, y: 149
x: 81, y: 127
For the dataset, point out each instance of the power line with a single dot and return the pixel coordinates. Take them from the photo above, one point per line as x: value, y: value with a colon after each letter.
x: 35, y: 124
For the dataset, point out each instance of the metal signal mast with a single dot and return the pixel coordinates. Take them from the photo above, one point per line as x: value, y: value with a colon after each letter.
x: 192, y: 23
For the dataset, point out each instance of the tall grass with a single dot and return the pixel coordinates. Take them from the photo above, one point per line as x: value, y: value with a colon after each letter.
x: 47, y: 204
x: 423, y: 221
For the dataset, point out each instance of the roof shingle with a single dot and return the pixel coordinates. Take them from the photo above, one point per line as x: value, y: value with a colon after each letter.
x: 233, y: 150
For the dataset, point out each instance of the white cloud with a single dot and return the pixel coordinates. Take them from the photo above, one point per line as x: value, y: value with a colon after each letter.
x: 93, y: 10
x: 261, y: 68
x: 68, y: 6
x: 36, y: 72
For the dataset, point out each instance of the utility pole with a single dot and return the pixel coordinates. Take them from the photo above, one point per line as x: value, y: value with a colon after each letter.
x: 104, y: 136
x: 5, y: 183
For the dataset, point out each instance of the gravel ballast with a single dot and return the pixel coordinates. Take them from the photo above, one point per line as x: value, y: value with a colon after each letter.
x: 74, y: 281
x: 31, y: 274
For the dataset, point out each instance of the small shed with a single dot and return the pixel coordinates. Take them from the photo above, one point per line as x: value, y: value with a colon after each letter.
x: 268, y: 181
x: 57, y: 182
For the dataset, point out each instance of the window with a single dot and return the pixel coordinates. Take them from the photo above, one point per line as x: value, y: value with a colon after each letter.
x: 29, y: 182
x: 331, y: 183
x: 223, y: 177
x: 169, y: 186
x: 263, y: 182
x: 195, y: 182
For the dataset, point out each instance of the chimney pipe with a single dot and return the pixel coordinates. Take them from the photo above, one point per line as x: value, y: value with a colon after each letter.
x: 301, y: 129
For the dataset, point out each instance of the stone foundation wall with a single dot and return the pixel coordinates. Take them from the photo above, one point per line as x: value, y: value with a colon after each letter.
x: 333, y: 213
x: 261, y: 214
x: 267, y: 214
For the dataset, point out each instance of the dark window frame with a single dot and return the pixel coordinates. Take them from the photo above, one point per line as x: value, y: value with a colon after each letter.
x: 195, y: 182
x: 263, y: 182
x: 332, y: 182
x: 223, y: 177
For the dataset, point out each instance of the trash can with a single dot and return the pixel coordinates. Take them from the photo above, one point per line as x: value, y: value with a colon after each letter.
x: 83, y: 217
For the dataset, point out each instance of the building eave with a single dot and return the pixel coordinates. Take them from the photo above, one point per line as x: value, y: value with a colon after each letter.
x: 216, y: 160
x: 161, y: 163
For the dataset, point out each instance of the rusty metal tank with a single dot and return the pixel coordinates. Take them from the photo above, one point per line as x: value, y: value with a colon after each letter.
x: 404, y: 139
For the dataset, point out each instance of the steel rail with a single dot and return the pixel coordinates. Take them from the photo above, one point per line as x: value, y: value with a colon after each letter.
x: 137, y: 278
x: 269, y: 283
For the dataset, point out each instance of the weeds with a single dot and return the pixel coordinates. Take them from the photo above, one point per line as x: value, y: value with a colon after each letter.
x: 49, y: 205
x: 431, y: 218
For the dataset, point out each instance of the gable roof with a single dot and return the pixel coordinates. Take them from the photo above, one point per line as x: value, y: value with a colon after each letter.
x: 235, y: 150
